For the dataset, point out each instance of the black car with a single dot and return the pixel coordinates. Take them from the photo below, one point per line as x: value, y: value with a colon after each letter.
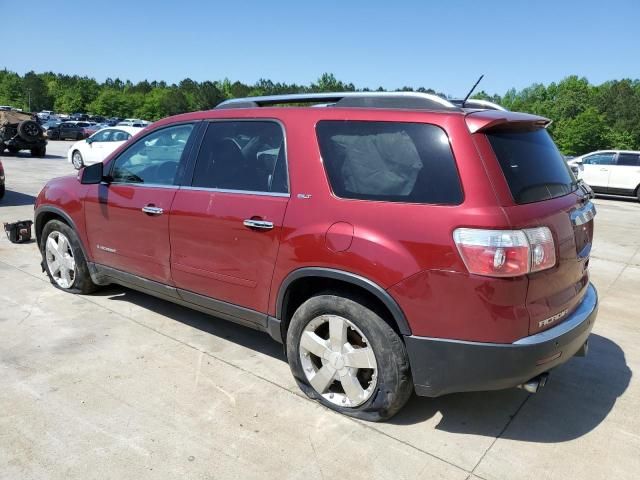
x: 68, y: 130
x: 79, y: 116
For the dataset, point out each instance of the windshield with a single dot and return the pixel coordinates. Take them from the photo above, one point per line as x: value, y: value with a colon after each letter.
x: 532, y: 165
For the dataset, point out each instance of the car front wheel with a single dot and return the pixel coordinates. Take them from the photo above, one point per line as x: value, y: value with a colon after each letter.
x: 345, y: 356
x: 64, y: 260
x: 76, y: 160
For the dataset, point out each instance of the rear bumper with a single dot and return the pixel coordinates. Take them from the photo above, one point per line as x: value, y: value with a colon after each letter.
x: 441, y: 366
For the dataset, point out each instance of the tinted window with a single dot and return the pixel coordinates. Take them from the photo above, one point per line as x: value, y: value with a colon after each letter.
x: 599, y: 159
x: 629, y: 159
x: 119, y: 136
x: 389, y: 161
x: 242, y: 155
x: 153, y: 159
x: 103, y: 136
x: 532, y: 165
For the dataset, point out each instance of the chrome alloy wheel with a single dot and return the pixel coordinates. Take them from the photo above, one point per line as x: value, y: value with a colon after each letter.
x: 60, y: 259
x: 338, y: 360
x: 76, y: 160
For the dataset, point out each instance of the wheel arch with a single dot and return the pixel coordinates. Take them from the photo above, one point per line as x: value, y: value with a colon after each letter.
x: 47, y: 213
x: 303, y: 283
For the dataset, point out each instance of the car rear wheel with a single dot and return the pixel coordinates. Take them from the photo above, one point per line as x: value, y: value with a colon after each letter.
x: 345, y: 356
x: 2, y: 190
x: 76, y: 160
x: 13, y: 150
x: 64, y: 261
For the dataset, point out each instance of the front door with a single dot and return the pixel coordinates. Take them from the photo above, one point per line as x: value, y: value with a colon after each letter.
x: 596, y: 170
x: 127, y: 220
x: 225, y: 229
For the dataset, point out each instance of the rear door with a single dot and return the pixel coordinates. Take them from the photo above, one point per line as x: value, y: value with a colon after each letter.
x: 625, y: 174
x: 225, y: 228
x: 597, y: 168
x: 544, y: 193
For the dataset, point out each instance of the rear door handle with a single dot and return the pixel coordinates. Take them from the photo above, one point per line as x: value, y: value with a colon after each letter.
x: 259, y: 224
x: 151, y: 210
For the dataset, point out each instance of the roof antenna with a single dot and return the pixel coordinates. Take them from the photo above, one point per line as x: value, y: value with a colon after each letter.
x: 471, y: 91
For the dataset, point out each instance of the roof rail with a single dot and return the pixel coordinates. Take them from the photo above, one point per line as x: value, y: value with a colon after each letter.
x: 479, y: 104
x: 409, y: 100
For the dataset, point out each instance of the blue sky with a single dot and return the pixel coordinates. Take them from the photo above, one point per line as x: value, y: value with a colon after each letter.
x: 443, y: 45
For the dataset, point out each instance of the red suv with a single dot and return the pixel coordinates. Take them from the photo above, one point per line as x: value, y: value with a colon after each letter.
x: 392, y: 242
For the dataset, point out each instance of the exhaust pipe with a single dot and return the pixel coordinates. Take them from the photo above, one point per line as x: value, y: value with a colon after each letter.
x: 536, y: 383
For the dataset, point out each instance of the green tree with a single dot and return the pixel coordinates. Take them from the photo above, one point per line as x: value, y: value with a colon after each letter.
x: 584, y: 133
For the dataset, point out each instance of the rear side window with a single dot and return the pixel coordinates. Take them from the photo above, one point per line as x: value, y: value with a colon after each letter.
x: 389, y: 161
x: 244, y: 156
x: 629, y: 159
x: 532, y: 165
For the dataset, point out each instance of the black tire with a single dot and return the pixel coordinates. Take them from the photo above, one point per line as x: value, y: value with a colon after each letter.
x: 76, y: 160
x: 39, y: 152
x: 29, y: 130
x: 394, y: 383
x: 2, y: 190
x: 13, y: 150
x: 82, y: 282
x: 638, y: 193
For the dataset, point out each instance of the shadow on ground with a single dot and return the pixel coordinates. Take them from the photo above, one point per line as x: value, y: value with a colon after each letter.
x: 27, y: 154
x: 238, y: 334
x: 16, y: 199
x: 578, y: 397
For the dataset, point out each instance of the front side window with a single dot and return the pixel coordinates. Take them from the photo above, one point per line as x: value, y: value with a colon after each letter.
x: 119, y: 136
x: 599, y: 159
x: 153, y: 159
x: 103, y: 136
x: 389, y: 161
x: 242, y: 155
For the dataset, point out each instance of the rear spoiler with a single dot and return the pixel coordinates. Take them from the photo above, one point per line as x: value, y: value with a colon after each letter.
x: 490, y: 119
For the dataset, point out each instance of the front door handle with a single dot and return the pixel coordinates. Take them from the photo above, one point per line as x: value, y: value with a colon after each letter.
x: 259, y: 224
x: 151, y: 210
x: 604, y: 169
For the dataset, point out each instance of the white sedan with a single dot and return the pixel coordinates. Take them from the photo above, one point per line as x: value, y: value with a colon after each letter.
x: 99, y: 145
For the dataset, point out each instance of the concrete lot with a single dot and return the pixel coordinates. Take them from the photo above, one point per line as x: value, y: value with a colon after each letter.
x: 122, y: 385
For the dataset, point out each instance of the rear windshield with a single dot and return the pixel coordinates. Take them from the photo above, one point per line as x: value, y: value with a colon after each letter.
x: 389, y: 161
x: 532, y: 165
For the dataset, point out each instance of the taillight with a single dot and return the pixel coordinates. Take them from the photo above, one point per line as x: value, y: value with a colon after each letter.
x: 505, y: 253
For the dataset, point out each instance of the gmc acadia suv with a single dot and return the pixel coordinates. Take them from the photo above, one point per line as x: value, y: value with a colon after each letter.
x: 392, y: 242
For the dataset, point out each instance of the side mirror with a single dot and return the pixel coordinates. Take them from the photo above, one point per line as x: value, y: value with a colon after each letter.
x: 89, y: 140
x: 91, y: 174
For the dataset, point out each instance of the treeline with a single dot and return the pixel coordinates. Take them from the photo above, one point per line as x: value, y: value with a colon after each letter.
x: 585, y: 117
